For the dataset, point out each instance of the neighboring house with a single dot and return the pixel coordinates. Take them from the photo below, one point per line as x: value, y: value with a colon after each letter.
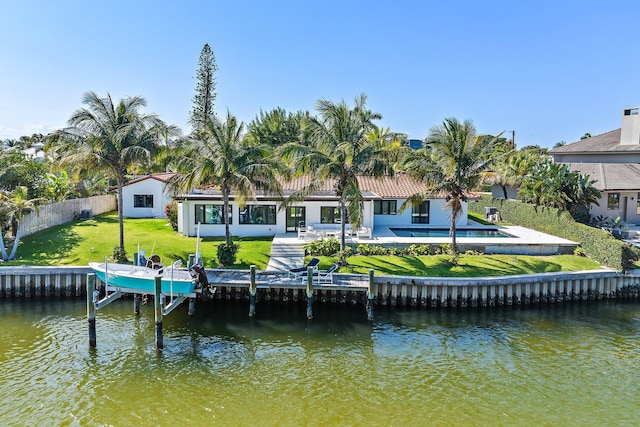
x: 146, y: 197
x: 613, y: 160
x: 382, y: 200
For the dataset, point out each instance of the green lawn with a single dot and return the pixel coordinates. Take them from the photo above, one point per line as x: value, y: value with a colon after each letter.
x: 79, y: 242
x: 468, y: 265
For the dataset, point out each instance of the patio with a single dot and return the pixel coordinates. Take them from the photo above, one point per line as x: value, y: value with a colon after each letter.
x: 520, y: 240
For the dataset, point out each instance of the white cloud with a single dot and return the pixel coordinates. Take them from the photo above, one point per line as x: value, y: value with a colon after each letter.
x: 27, y: 129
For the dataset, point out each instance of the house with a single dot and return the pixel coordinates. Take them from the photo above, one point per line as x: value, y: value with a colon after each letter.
x: 146, y: 196
x: 613, y: 160
x: 263, y: 217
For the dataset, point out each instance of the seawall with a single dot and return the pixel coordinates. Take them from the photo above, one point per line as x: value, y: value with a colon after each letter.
x: 425, y: 292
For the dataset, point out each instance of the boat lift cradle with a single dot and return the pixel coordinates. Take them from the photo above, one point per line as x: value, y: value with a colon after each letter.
x: 118, y: 291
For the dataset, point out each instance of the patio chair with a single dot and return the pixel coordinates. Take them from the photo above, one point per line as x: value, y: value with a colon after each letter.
x: 297, y: 272
x: 364, y: 233
x: 325, y: 276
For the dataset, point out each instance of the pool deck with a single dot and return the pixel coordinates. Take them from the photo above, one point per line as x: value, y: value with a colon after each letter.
x: 524, y: 241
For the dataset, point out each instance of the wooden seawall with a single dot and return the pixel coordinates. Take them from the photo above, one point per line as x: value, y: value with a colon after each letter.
x: 384, y: 291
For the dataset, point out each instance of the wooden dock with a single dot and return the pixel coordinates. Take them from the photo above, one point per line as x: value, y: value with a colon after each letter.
x: 427, y: 292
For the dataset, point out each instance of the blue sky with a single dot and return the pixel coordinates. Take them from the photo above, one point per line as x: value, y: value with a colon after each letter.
x: 550, y: 70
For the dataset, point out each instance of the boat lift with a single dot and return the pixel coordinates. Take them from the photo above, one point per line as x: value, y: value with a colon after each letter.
x: 113, y: 293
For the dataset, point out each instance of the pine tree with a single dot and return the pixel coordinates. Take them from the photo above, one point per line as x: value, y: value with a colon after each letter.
x: 205, y: 96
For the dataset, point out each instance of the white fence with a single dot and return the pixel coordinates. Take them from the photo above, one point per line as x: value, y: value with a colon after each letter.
x: 62, y: 212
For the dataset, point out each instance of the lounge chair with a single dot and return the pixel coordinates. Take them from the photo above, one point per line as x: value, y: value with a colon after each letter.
x: 297, y: 272
x: 325, y: 276
x: 364, y: 233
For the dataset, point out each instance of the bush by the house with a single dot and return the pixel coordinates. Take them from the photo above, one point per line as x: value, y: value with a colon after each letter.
x: 171, y: 211
x: 325, y: 247
x: 227, y: 253
x: 598, y: 244
x: 119, y: 255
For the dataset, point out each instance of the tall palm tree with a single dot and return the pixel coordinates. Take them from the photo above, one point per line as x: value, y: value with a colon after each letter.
x: 107, y: 138
x: 451, y: 165
x: 217, y: 156
x: 339, y: 145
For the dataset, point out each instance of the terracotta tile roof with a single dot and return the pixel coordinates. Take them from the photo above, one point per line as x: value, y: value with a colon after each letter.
x: 399, y: 186
x: 611, y: 176
x: 162, y: 177
x: 608, y: 142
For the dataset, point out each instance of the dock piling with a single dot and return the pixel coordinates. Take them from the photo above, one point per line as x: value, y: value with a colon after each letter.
x: 136, y: 304
x: 192, y: 307
x: 309, y: 293
x: 370, y: 295
x: 158, y: 312
x: 252, y: 291
x: 91, y: 308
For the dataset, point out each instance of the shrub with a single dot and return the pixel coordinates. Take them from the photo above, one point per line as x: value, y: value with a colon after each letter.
x: 119, y: 255
x: 417, y: 250
x: 598, y: 244
x: 443, y: 249
x: 227, y: 253
x: 579, y: 251
x: 325, y: 247
x: 171, y: 211
x: 366, y: 250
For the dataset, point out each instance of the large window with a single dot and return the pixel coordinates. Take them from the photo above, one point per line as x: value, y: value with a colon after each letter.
x: 385, y: 207
x: 420, y: 213
x: 331, y: 215
x: 212, y: 214
x: 613, y: 201
x: 143, y: 200
x: 258, y: 214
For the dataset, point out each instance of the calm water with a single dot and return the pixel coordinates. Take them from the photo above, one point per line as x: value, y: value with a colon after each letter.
x: 572, y: 364
x: 441, y: 232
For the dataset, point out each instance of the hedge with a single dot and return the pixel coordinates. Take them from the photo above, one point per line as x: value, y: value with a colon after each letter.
x: 598, y: 244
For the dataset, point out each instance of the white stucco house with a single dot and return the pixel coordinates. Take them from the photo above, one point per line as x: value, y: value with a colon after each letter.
x: 613, y: 160
x: 263, y: 217
x: 146, y: 196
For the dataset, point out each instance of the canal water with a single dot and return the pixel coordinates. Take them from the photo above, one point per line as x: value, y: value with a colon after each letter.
x: 565, y: 364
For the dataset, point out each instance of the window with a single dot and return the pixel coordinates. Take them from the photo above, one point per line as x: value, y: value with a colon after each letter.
x: 420, y: 214
x: 331, y: 215
x: 385, y: 207
x: 212, y: 214
x: 258, y: 214
x: 143, y: 201
x: 613, y: 201
x: 638, y: 204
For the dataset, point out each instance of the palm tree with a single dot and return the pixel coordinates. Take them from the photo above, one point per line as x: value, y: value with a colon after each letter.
x: 13, y: 207
x: 107, y: 138
x: 340, y: 145
x: 451, y: 165
x: 511, y: 169
x: 217, y: 156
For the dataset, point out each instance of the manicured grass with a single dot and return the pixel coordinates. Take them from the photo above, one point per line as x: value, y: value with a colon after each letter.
x: 79, y: 242
x: 468, y: 265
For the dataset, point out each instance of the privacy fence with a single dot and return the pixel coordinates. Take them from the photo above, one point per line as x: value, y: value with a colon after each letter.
x: 62, y: 212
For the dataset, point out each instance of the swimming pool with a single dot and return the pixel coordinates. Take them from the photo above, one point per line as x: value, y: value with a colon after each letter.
x: 444, y: 232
